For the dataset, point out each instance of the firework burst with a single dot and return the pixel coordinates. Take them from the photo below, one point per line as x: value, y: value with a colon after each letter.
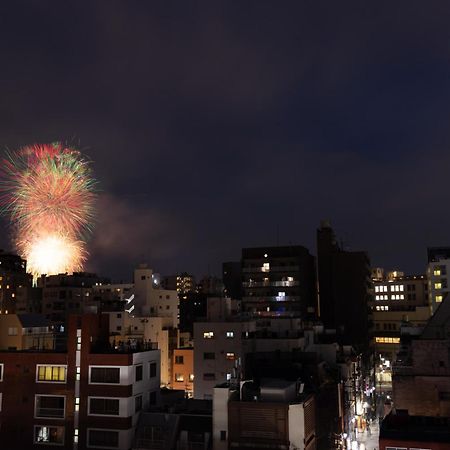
x: 48, y: 192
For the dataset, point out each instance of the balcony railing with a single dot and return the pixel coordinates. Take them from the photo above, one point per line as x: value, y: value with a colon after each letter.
x: 270, y: 283
x: 50, y: 412
x: 271, y: 269
x: 402, y: 370
x: 274, y: 298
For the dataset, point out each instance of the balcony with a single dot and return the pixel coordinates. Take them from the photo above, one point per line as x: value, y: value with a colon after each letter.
x: 248, y: 284
x: 271, y: 269
x: 402, y: 370
x: 274, y: 298
x: 54, y: 413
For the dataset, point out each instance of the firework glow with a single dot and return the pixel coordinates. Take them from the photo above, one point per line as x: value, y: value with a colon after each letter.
x: 48, y: 192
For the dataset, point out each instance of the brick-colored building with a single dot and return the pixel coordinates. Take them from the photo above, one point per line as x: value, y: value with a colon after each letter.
x: 87, y: 396
x: 401, y: 431
x: 421, y: 374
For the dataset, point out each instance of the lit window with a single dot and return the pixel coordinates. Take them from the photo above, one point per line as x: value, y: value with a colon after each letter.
x: 266, y: 267
x: 378, y: 308
x: 191, y: 377
x: 228, y: 376
x: 377, y: 297
x: 402, y: 296
x: 437, y: 272
x: 397, y: 287
x: 438, y: 298
x: 48, y: 435
x: 230, y: 334
x: 402, y: 287
x: 385, y: 288
x: 231, y: 356
x: 438, y: 285
x: 392, y: 288
x: 179, y: 377
x: 377, y: 288
x: 208, y: 334
x: 387, y: 340
x: 51, y: 373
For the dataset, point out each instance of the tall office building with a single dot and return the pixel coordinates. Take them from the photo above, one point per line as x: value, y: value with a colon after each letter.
x: 278, y: 281
x: 344, y: 288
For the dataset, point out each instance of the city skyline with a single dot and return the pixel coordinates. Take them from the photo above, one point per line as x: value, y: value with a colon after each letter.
x: 227, y: 126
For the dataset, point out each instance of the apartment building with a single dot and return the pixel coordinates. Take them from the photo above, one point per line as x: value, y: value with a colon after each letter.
x: 88, y: 396
x: 13, y: 276
x: 438, y: 272
x: 221, y: 346
x: 278, y: 281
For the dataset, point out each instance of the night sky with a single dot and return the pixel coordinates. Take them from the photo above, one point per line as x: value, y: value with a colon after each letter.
x: 214, y: 126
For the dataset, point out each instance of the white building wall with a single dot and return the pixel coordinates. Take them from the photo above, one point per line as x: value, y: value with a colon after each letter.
x: 153, y: 301
x: 296, y: 424
x: 221, y: 345
x: 221, y: 396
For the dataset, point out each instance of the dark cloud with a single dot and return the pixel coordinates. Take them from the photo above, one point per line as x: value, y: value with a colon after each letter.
x: 218, y: 125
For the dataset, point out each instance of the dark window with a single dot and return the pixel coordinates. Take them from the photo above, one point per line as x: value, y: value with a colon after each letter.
x: 62, y: 295
x: 1, y: 372
x: 50, y: 406
x: 119, y: 316
x: 138, y: 403
x: 209, y: 355
x: 209, y: 376
x: 139, y: 372
x: 223, y: 435
x: 152, y: 369
x: 142, y: 277
x: 103, y: 438
x: 119, y: 328
x: 179, y: 359
x: 152, y: 398
x: 107, y: 406
x: 105, y: 375
x: 441, y: 364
